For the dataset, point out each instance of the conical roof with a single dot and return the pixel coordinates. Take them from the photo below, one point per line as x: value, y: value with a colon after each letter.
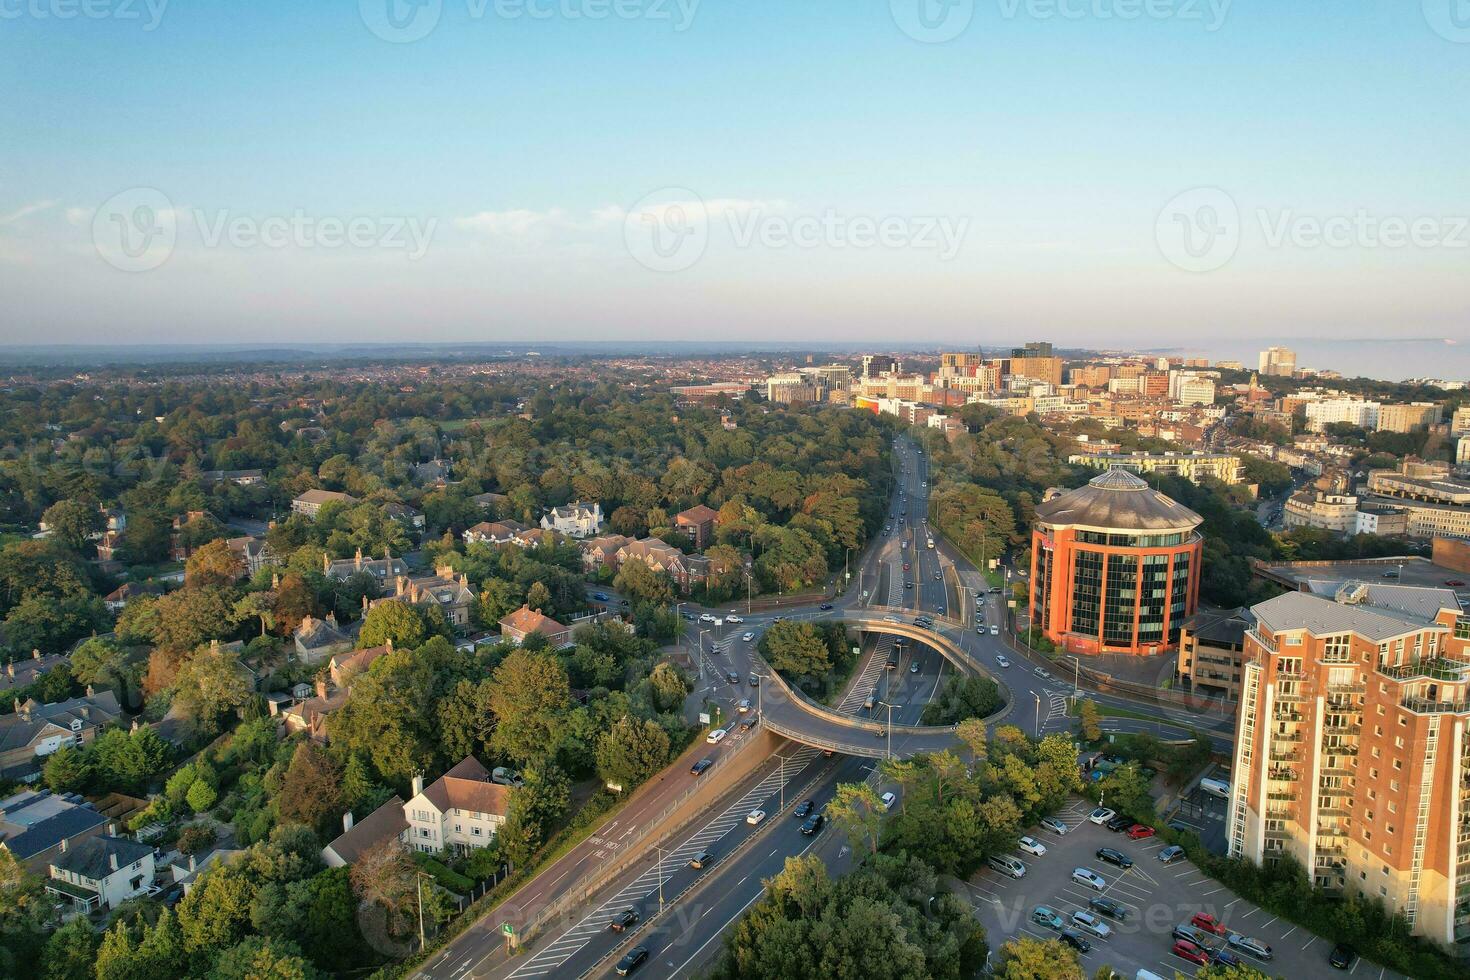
x: 1117, y: 501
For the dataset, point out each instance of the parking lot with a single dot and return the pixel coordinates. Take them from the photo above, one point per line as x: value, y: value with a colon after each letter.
x: 1205, y: 815
x: 1155, y: 898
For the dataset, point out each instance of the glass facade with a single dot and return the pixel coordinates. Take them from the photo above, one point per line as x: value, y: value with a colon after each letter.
x: 1155, y: 587
x: 1114, y: 600
x: 1121, y: 598
x: 1086, y: 592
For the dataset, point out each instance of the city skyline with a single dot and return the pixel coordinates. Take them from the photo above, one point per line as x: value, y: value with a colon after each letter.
x: 1002, y: 196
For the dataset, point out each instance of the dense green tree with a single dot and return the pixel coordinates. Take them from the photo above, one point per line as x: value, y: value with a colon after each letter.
x: 630, y: 752
x: 259, y: 958
x: 393, y: 620
x: 1024, y: 958
x: 530, y: 698
x: 72, y: 522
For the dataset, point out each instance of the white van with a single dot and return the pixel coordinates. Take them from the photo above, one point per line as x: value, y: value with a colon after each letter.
x: 1216, y: 787
x: 1148, y: 975
x: 1006, y: 864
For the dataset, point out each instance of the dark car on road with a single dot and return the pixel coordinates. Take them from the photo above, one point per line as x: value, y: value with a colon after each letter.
x: 1114, y: 857
x: 1342, y: 957
x: 732, y: 677
x: 699, y: 767
x: 813, y: 824
x: 1108, y: 907
x: 826, y: 606
x: 1076, y: 940
x: 600, y: 596
x: 701, y: 860
x: 804, y: 809
x: 632, y: 960
x: 623, y: 920
x: 1119, y: 823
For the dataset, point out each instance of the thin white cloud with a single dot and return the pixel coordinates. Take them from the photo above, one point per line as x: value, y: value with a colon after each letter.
x: 525, y: 223
x: 25, y: 211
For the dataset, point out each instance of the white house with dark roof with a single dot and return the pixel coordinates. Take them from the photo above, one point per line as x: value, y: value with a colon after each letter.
x: 101, y: 872
x: 577, y: 520
x: 36, y: 825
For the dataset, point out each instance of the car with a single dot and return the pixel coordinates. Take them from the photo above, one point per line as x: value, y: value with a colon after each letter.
x: 908, y: 585
x: 600, y: 596
x: 804, y: 809
x: 887, y: 528
x: 1190, y: 934
x: 732, y: 618
x: 632, y: 960
x: 1040, y: 672
x: 1076, y: 940
x: 1184, y: 949
x: 1043, y: 916
x: 1090, y: 878
x: 888, y: 799
x: 755, y: 681
x: 1101, y: 815
x: 755, y: 817
x: 1208, y: 923
x: 1223, y: 957
x: 1251, y: 945
x: 905, y: 566
x: 1088, y: 922
x: 938, y: 576
x: 1108, y: 907
x: 1054, y: 825
x: 1171, y: 854
x: 1119, y: 823
x: 1031, y: 846
x: 623, y: 919
x: 743, y: 706
x: 914, y: 667
x: 826, y: 607
x: 707, y: 618
x: 716, y: 737
x: 995, y: 631
x: 993, y: 590
x: 701, y: 860
x: 732, y: 677
x: 1114, y: 857
x: 813, y: 823
x: 748, y: 637
x: 890, y: 619
x: 1140, y: 832
x: 1342, y: 957
x: 745, y: 726
x: 1454, y: 583
x: 699, y: 768
x: 1002, y: 662
x: 892, y: 662
x: 778, y: 619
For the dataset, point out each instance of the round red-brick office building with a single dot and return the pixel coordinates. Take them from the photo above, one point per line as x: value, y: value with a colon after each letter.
x: 1115, y: 567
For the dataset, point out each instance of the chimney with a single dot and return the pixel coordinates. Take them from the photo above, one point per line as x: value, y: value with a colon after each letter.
x: 357, y: 560
x: 112, y: 860
x: 276, y: 580
x: 332, y: 618
x: 418, y: 783
x: 191, y: 864
x: 321, y: 689
x: 63, y: 845
x: 326, y: 564
x: 112, y: 830
x: 10, y: 670
x: 389, y: 644
x: 36, y: 654
x: 346, y: 821
x: 91, y: 692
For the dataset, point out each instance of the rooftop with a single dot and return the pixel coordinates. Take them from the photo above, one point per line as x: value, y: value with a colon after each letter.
x: 93, y: 858
x: 1322, y: 616
x: 1117, y: 500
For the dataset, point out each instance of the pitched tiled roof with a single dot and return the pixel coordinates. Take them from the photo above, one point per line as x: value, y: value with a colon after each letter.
x: 698, y: 514
x: 323, y: 496
x: 528, y: 620
x: 468, y: 787
x: 92, y: 858
x: 383, y: 824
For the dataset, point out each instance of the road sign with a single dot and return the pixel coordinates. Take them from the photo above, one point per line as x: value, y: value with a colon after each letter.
x: 704, y: 717
x: 506, y: 929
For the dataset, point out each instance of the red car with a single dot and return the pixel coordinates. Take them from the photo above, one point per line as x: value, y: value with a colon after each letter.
x: 1208, y: 923
x: 1139, y: 832
x: 1185, y: 949
x: 1454, y: 583
x: 905, y: 566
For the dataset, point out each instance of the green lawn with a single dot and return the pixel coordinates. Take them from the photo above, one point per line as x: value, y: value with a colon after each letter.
x: 1107, y: 711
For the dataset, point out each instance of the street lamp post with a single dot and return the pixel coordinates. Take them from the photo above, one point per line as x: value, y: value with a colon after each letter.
x: 660, y: 851
x: 889, y: 751
x: 1038, y: 713
x: 1076, y: 681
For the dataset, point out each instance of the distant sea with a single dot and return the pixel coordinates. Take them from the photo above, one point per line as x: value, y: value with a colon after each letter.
x: 1386, y: 360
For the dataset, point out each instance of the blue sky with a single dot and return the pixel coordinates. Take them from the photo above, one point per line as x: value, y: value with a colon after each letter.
x: 496, y: 168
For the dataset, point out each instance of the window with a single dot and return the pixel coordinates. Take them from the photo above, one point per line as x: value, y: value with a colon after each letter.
x: 1398, y: 763
x: 475, y: 831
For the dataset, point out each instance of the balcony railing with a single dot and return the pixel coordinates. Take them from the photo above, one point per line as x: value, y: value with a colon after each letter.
x: 1281, y: 795
x: 1268, y: 643
x: 1424, y: 706
x: 1434, y: 668
x: 1285, y: 775
x: 1347, y: 687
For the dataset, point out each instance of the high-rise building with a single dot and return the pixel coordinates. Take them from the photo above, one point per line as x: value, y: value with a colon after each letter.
x: 1035, y: 361
x: 1278, y: 362
x: 1351, y: 748
x: 1407, y: 418
x: 1115, y: 567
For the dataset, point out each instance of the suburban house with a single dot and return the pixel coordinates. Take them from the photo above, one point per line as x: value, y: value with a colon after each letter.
x: 310, y: 714
x: 178, y: 549
x: 577, y: 520
x: 22, y: 673
x: 101, y: 872
x: 445, y: 591
x: 493, y: 532
x: 602, y: 551
x: 107, y: 545
x: 490, y: 502
x: 36, y: 730
x: 113, y: 518
x: 317, y: 639
x: 459, y: 811
x: 536, y: 536
x: 660, y: 556
x: 699, y: 523
x: 408, y: 515
x: 36, y: 825
x: 385, y: 823
x: 435, y: 471
x: 383, y: 569
x: 345, y: 666
x: 525, y: 621
x: 118, y: 598
x: 185, y: 872
x: 252, y: 553
x: 241, y: 478
x: 311, y: 501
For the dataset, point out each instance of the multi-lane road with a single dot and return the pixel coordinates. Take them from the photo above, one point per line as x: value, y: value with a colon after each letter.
x: 899, y: 577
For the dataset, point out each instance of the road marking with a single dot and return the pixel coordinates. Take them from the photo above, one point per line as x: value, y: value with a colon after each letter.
x: 1289, y: 932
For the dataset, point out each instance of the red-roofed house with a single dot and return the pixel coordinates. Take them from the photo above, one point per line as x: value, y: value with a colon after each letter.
x: 699, y: 523
x: 525, y: 621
